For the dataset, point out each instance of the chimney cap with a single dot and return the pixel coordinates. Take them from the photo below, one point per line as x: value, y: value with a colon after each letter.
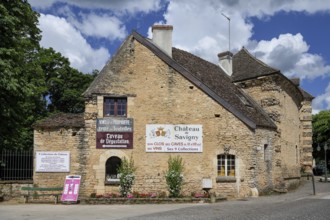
x: 226, y: 53
x: 162, y: 27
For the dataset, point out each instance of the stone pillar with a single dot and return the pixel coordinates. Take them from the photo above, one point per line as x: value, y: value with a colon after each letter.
x: 306, y: 149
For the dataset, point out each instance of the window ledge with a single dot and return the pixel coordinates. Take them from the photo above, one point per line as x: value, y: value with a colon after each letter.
x: 227, y: 179
x: 112, y: 182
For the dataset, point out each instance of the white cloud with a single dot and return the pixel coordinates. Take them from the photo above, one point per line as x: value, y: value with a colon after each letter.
x: 200, y: 27
x: 102, y: 26
x: 120, y: 6
x: 64, y: 38
x: 202, y: 30
x: 261, y: 8
x: 41, y: 4
x: 289, y: 53
x: 322, y: 102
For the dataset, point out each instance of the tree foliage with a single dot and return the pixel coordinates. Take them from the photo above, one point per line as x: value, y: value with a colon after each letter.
x: 321, y: 134
x: 321, y: 127
x: 34, y: 81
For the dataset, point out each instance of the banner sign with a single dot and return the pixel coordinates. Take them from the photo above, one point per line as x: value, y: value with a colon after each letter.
x: 114, y: 133
x: 114, y: 125
x: 174, y: 138
x: 71, y: 189
x: 114, y: 140
x: 53, y: 161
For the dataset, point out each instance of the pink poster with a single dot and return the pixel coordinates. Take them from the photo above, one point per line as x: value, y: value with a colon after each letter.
x: 71, y: 189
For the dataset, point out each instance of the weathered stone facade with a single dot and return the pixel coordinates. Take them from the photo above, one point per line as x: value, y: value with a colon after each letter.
x: 158, y: 92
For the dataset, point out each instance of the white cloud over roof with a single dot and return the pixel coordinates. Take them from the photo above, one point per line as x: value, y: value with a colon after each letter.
x: 64, y: 38
x: 199, y: 27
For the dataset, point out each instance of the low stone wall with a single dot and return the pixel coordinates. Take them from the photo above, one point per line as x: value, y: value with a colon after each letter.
x: 125, y: 201
x: 11, y: 190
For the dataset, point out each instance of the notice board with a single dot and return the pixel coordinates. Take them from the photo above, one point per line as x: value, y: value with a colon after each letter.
x: 71, y: 188
x: 52, y: 161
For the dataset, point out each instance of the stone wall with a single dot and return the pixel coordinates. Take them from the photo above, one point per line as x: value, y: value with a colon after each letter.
x: 282, y: 103
x: 11, y: 191
x: 62, y: 139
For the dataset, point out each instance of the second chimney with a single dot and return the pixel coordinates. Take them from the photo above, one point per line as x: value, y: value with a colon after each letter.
x: 162, y: 37
x: 226, y: 62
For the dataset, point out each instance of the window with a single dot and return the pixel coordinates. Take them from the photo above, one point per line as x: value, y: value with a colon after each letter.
x: 266, y: 153
x: 226, y: 165
x: 115, y: 107
x: 297, y: 154
x: 111, y: 170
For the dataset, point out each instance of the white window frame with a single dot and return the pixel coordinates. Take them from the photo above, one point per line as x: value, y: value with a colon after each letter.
x: 228, y: 158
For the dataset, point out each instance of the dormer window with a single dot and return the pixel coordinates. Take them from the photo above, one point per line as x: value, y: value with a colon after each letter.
x: 115, y: 107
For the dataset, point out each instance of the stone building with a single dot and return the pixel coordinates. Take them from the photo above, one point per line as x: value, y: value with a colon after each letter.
x: 240, y: 125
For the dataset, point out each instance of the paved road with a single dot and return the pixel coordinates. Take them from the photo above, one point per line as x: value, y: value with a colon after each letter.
x: 300, y: 204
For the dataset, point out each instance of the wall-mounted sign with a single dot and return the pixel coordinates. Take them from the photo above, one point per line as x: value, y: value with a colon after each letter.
x: 114, y: 125
x: 53, y: 161
x: 71, y: 189
x: 114, y: 133
x: 174, y: 138
x: 114, y: 140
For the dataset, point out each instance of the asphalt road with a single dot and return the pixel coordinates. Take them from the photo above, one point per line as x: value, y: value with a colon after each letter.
x: 300, y: 204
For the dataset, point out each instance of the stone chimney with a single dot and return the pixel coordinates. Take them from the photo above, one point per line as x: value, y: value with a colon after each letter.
x: 162, y: 37
x: 226, y: 62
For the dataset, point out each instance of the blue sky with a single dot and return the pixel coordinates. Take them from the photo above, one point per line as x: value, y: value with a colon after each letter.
x: 292, y: 36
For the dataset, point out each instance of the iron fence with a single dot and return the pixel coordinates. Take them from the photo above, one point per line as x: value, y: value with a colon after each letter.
x: 16, y: 165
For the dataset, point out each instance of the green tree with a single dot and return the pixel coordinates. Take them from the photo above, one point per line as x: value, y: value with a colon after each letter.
x: 321, y: 133
x: 64, y: 84
x: 19, y: 43
x: 34, y: 81
x: 321, y: 127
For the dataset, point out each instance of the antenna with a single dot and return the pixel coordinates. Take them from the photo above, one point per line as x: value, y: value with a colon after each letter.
x: 228, y: 18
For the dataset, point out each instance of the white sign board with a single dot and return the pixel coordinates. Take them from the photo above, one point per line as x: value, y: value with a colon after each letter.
x: 174, y: 138
x: 53, y: 161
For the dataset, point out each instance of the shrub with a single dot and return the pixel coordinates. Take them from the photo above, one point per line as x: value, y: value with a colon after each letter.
x: 174, y: 176
x: 126, y: 176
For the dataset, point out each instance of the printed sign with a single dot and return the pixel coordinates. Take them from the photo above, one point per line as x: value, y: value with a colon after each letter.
x: 174, y: 138
x: 114, y: 125
x: 114, y: 140
x: 53, y: 161
x: 114, y: 133
x: 71, y: 189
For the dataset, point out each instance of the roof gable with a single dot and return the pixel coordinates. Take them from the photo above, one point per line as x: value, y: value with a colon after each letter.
x: 246, y: 66
x: 214, y: 82
x: 205, y: 75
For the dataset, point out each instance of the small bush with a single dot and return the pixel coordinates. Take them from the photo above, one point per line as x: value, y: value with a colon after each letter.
x: 174, y: 176
x: 127, y: 177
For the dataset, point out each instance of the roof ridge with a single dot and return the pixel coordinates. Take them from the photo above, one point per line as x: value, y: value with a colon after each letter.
x: 259, y: 61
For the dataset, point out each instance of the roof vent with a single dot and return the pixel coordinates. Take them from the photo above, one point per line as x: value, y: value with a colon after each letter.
x: 162, y: 37
x: 226, y: 62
